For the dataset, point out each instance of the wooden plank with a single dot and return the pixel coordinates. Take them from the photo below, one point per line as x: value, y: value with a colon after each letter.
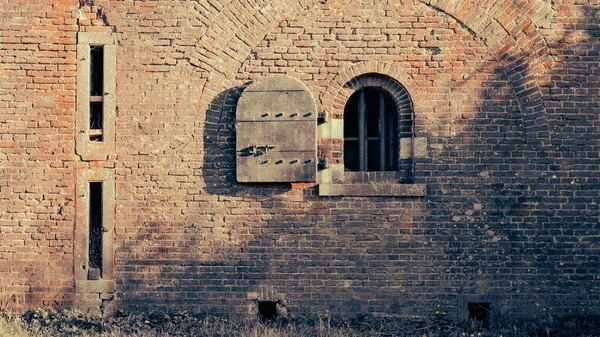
x: 276, y: 127
x: 285, y: 136
x: 277, y: 83
x: 276, y: 106
x: 278, y: 167
x: 95, y: 132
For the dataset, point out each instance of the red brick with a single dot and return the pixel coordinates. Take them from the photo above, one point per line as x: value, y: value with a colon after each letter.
x: 512, y: 170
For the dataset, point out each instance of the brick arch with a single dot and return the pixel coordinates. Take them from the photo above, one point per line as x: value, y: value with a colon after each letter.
x: 503, y: 26
x: 492, y: 20
x: 399, y: 84
x: 541, y: 12
x: 398, y: 93
x: 229, y: 39
x: 404, y: 114
x: 508, y: 32
x: 345, y: 83
x: 238, y: 28
x: 514, y: 40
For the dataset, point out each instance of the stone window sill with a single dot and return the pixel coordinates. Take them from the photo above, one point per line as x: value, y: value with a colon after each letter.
x: 94, y: 286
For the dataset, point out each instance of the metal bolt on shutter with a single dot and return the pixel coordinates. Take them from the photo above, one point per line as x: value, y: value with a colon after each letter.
x: 276, y: 127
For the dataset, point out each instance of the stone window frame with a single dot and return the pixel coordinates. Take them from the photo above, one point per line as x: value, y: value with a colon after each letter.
x: 334, y: 181
x: 81, y: 247
x: 87, y: 149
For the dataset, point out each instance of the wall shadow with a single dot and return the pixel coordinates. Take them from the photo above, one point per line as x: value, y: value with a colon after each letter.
x: 535, y: 207
x: 219, y: 172
x: 496, y: 225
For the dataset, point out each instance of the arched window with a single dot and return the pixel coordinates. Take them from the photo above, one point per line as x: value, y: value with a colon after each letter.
x: 373, y: 119
x: 370, y: 131
x: 378, y: 127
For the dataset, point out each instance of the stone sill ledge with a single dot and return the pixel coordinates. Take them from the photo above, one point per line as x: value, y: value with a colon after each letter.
x: 373, y: 190
x: 94, y: 286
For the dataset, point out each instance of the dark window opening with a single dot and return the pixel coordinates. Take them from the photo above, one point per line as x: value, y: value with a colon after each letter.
x: 267, y: 311
x: 95, y: 231
x: 96, y: 70
x: 480, y: 312
x: 371, y: 141
x: 96, y: 92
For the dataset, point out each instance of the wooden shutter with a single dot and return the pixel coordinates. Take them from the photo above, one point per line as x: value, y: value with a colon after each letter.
x: 276, y: 127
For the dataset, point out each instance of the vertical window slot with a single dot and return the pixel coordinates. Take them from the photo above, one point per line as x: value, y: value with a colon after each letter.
x: 95, y: 231
x: 96, y: 92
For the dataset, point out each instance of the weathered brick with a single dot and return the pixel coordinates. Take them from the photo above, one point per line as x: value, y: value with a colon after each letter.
x: 504, y: 92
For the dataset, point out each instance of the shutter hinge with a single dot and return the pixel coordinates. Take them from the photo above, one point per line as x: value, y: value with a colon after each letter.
x: 322, y: 117
x: 323, y: 163
x: 258, y: 150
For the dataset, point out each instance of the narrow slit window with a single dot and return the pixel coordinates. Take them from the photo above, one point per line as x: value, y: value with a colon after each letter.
x: 96, y: 92
x: 95, y: 231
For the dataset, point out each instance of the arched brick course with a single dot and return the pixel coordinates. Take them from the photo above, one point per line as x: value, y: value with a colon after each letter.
x: 508, y: 32
x: 237, y: 29
x: 517, y: 45
x: 540, y: 12
x: 337, y: 93
x: 231, y: 37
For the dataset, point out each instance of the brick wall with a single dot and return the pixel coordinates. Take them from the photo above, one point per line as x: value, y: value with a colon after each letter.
x: 504, y: 92
x: 37, y: 163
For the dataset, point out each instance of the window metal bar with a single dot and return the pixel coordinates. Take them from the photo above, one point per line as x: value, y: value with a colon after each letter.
x: 382, y: 130
x: 391, y: 141
x: 412, y: 143
x: 362, y: 142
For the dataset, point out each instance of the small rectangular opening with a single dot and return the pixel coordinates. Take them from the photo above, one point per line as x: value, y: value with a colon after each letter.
x: 267, y: 311
x: 95, y: 231
x: 480, y: 312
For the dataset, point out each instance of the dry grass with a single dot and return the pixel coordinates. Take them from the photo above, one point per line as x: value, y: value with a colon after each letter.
x: 63, y: 323
x: 14, y: 326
